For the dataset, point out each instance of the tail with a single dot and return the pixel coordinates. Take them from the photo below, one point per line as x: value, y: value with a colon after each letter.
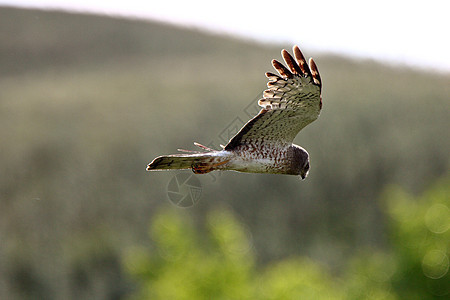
x: 200, y: 163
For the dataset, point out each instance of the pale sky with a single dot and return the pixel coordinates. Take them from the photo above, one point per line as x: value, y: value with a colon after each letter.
x: 415, y: 33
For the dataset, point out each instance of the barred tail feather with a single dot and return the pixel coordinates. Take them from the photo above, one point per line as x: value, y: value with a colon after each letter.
x: 199, y: 163
x: 174, y: 162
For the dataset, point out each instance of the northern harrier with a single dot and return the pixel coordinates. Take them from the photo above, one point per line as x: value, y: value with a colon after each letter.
x: 264, y: 144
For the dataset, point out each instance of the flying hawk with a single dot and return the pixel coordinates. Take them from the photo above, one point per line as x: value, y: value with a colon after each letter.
x: 264, y: 144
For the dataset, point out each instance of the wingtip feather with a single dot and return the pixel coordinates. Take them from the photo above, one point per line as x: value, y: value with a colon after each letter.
x: 284, y: 72
x: 300, y: 58
x: 314, y: 71
x: 272, y: 76
x: 291, y: 63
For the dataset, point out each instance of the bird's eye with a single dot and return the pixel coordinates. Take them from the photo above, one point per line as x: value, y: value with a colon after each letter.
x: 307, y: 166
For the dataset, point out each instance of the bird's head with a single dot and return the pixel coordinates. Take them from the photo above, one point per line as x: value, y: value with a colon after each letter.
x: 305, y: 169
x: 299, y: 161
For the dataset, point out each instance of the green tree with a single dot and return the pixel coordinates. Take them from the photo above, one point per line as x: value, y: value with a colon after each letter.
x: 420, y: 238
x: 182, y: 266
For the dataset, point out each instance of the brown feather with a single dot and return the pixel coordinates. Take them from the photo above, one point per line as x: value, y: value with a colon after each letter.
x: 284, y: 72
x: 272, y: 76
x: 301, y: 61
x: 315, y: 72
x: 295, y: 69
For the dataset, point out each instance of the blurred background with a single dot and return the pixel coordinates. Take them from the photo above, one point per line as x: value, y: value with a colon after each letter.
x: 90, y: 95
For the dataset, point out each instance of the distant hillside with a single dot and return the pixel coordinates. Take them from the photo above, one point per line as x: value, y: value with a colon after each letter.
x: 31, y: 39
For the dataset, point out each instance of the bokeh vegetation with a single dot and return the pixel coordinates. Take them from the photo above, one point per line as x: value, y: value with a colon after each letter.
x: 87, y: 101
x: 221, y: 263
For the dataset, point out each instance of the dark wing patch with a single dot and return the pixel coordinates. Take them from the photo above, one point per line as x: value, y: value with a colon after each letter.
x: 292, y: 101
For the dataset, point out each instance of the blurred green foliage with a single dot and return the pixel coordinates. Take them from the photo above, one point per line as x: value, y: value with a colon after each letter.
x: 185, y: 264
x: 87, y: 101
x: 188, y: 267
x: 420, y: 238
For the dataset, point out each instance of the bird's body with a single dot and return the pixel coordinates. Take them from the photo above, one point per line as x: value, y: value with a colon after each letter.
x: 264, y: 145
x: 272, y: 160
x: 269, y: 159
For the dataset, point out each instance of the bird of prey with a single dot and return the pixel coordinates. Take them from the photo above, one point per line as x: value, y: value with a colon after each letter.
x: 264, y: 144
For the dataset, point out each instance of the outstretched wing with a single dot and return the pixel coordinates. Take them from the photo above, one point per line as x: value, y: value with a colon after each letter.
x: 292, y: 101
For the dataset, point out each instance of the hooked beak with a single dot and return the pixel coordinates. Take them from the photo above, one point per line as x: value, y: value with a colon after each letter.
x: 304, y: 174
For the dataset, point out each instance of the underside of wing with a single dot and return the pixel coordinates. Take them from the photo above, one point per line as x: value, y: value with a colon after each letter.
x: 292, y: 101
